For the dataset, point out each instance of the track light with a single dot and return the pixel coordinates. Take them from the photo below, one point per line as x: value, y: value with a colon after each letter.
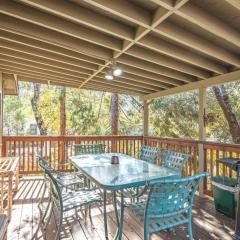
x: 114, y: 71
x: 109, y: 75
x: 117, y: 71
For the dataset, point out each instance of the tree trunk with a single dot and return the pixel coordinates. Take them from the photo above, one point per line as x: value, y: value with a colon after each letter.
x: 62, y: 99
x: 223, y: 100
x: 37, y: 114
x: 115, y: 114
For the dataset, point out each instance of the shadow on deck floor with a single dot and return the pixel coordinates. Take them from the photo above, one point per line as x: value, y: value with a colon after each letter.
x: 207, y: 223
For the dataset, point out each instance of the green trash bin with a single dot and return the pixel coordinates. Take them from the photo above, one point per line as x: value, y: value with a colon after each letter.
x: 225, y: 193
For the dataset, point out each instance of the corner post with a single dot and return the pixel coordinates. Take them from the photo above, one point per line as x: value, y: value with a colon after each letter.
x: 202, y: 134
x: 145, y: 118
x: 3, y: 151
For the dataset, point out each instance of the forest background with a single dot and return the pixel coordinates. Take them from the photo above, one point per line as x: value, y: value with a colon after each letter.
x: 88, y: 112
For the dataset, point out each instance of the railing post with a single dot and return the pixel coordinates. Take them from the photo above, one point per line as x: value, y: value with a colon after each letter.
x: 114, y: 144
x: 202, y: 133
x: 145, y: 118
x: 201, y: 161
x: 4, y: 148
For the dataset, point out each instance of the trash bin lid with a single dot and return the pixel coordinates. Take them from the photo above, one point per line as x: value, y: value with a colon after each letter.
x: 233, y: 163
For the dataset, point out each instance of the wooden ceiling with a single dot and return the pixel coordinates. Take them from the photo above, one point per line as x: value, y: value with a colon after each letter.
x: 159, y: 44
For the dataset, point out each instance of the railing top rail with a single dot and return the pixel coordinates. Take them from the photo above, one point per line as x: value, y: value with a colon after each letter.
x: 66, y: 137
x: 208, y: 144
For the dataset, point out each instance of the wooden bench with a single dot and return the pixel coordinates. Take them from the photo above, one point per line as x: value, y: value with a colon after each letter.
x: 9, y: 179
x: 3, y: 226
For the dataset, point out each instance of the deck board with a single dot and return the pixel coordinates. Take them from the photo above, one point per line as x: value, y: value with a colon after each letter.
x: 25, y: 224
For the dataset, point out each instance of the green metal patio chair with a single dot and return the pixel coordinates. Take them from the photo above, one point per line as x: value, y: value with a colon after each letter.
x: 69, y: 182
x: 96, y: 148
x: 149, y: 154
x: 174, y: 160
x: 169, y: 204
x: 69, y: 179
x: 66, y: 201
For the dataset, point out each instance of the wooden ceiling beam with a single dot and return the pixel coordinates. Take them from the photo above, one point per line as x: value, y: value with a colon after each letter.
x: 74, y: 71
x: 115, y: 82
x: 44, y: 66
x: 164, y: 47
x: 34, y: 76
x: 151, y: 67
x: 188, y: 39
x: 138, y: 72
x: 48, y: 59
x: 144, y: 80
x: 45, y: 81
x: 54, y: 23
x: 99, y: 87
x: 78, y: 14
x: 153, y: 57
x: 33, y: 70
x: 123, y: 9
x: 209, y: 23
x: 221, y: 79
x: 134, y: 82
x: 70, y: 84
x: 234, y: 3
x: 39, y: 47
x: 78, y: 78
x: 10, y: 68
x: 40, y: 33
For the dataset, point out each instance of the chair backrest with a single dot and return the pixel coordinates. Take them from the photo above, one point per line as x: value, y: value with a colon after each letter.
x: 43, y: 163
x: 174, y: 160
x: 55, y: 183
x: 149, y: 154
x: 89, y: 148
x: 171, y: 197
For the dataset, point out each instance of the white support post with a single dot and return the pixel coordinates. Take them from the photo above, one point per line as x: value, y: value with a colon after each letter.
x: 202, y: 132
x: 1, y: 110
x: 145, y: 118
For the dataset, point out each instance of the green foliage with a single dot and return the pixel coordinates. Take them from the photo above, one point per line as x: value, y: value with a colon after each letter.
x: 175, y: 116
x: 14, y: 117
x: 49, y: 107
x: 89, y: 113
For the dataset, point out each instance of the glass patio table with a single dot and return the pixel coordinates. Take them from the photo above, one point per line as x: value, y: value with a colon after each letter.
x: 129, y: 173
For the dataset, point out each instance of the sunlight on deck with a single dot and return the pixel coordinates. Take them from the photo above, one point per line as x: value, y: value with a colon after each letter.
x: 207, y: 224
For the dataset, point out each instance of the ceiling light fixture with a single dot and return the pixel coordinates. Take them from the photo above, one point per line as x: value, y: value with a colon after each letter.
x: 109, y: 75
x: 115, y: 71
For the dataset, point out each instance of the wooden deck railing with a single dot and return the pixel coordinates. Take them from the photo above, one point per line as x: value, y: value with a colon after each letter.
x: 58, y: 148
x: 212, y: 152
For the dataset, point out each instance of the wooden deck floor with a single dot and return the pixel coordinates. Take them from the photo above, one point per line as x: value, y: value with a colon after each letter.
x: 207, y: 224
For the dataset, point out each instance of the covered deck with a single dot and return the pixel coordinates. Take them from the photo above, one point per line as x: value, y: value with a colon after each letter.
x: 163, y: 47
x: 207, y: 223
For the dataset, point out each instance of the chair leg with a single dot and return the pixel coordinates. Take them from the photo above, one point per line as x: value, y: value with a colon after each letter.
x: 46, y: 210
x: 89, y: 213
x: 50, y: 215
x: 59, y: 227
x: 43, y: 193
x: 190, y: 227
x: 146, y: 234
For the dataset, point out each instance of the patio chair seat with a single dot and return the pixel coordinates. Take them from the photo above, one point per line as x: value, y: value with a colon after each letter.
x: 158, y: 223
x: 169, y: 204
x: 69, y: 179
x: 3, y: 226
x: 79, y: 198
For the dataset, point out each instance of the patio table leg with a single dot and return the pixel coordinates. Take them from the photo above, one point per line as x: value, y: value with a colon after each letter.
x: 105, y: 213
x: 116, y: 212
x: 118, y: 235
